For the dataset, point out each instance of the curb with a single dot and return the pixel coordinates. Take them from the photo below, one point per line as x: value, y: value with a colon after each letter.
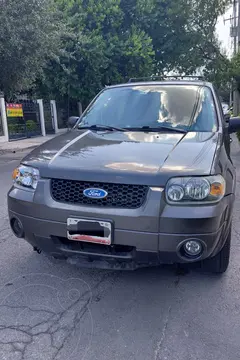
x: 31, y: 147
x: 13, y: 151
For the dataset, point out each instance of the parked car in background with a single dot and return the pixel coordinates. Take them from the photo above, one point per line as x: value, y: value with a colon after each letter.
x: 143, y: 178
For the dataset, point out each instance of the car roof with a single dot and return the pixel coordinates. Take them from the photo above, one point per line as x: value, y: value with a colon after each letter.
x: 161, y: 83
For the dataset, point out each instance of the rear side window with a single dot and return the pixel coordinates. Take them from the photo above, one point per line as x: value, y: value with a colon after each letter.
x: 206, y: 117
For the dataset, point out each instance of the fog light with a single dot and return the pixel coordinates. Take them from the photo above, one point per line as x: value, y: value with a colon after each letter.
x: 17, y: 227
x: 193, y: 247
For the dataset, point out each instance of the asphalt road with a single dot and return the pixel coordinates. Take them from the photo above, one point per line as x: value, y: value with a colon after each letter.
x: 52, y: 310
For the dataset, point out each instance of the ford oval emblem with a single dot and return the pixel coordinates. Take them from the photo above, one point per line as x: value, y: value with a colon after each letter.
x: 94, y: 193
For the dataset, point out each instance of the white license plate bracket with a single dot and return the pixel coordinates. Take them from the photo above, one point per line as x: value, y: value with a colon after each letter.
x: 89, y: 230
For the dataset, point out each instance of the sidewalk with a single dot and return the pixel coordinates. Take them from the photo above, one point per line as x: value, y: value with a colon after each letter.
x: 21, y: 145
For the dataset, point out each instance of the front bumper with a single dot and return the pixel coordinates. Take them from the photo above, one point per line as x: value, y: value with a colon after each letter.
x: 147, y: 236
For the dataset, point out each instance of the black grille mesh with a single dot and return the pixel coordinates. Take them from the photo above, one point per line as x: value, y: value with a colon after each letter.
x: 119, y: 195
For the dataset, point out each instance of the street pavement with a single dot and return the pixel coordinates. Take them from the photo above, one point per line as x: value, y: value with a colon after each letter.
x: 52, y: 310
x: 25, y: 144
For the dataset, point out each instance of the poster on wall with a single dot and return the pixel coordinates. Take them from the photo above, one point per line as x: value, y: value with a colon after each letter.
x: 14, y: 110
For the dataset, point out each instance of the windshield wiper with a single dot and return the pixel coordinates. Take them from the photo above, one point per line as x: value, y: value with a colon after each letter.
x: 143, y: 128
x: 101, y: 127
x: 157, y: 129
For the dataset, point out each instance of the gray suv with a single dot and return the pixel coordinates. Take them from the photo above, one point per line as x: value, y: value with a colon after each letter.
x: 143, y: 178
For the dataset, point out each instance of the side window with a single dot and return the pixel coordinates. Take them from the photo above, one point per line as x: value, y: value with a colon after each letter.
x: 206, y: 117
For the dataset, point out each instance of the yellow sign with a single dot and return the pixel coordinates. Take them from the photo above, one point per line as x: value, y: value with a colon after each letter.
x: 14, y: 110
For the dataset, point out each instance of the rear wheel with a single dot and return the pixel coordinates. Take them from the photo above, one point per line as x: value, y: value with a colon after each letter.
x: 219, y: 263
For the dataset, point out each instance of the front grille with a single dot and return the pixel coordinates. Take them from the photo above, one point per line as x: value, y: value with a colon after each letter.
x: 119, y: 195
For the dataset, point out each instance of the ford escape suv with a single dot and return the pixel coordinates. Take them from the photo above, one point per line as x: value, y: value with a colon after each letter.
x: 144, y: 177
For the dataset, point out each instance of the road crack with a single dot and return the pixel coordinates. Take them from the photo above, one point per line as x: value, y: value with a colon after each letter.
x: 163, y: 335
x: 62, y: 327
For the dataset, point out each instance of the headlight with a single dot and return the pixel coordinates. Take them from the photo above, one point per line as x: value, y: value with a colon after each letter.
x: 195, y: 189
x: 26, y: 176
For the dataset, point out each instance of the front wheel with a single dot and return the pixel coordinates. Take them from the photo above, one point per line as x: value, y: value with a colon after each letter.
x: 219, y: 263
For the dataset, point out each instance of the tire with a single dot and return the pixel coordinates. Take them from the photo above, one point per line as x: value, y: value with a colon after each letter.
x: 219, y: 263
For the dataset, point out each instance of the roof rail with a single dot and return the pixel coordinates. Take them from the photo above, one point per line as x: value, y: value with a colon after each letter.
x: 168, y: 77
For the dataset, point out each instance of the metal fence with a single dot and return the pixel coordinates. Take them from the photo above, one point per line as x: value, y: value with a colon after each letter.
x: 64, y: 111
x: 28, y: 125
x: 48, y: 117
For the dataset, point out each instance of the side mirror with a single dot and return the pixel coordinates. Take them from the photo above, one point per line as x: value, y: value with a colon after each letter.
x: 72, y: 121
x: 234, y: 125
x: 227, y: 117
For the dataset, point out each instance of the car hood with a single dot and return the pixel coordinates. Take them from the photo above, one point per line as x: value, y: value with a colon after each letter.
x: 125, y: 157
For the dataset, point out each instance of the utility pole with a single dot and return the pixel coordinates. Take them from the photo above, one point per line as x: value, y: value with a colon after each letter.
x: 236, y: 95
x: 238, y: 27
x: 235, y: 34
x: 234, y: 28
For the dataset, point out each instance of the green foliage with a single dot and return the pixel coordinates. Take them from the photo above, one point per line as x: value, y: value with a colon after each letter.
x: 15, y: 128
x: 98, y: 51
x: 29, y: 36
x: 182, y: 31
x: 235, y: 70
x: 73, y: 48
x: 31, y: 126
x: 110, y: 41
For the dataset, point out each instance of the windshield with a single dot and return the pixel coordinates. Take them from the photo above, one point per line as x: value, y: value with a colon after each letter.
x: 184, y: 107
